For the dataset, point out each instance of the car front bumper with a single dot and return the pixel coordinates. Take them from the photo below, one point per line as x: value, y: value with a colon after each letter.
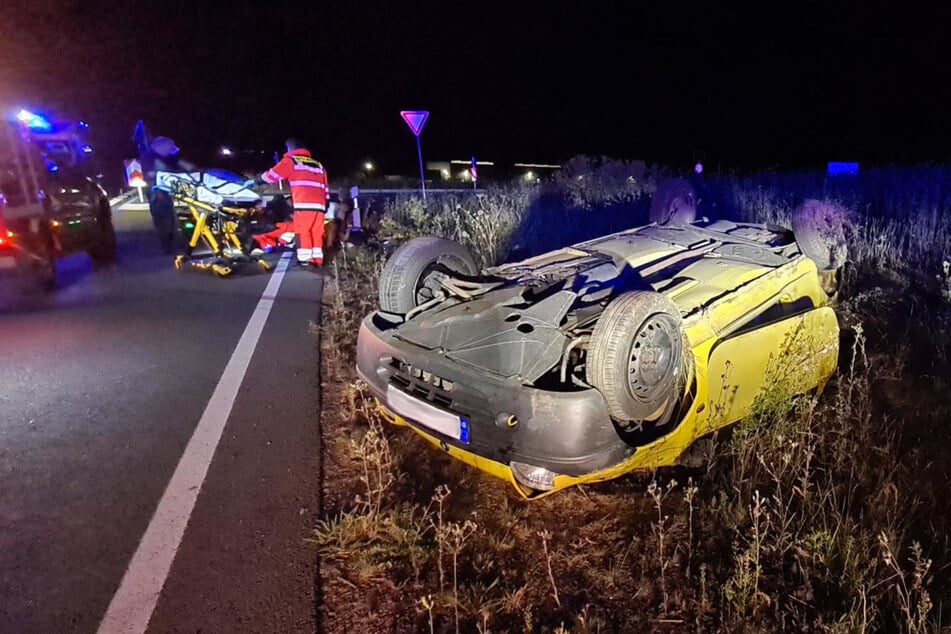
x: 567, y: 433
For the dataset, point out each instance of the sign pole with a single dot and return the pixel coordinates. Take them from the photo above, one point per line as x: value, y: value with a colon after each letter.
x: 422, y: 178
x: 141, y: 198
x: 416, y: 119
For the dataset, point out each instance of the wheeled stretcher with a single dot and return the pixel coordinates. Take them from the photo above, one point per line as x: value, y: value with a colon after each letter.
x: 219, y: 213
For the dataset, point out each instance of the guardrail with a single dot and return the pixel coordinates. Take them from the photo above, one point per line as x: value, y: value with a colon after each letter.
x: 391, y: 192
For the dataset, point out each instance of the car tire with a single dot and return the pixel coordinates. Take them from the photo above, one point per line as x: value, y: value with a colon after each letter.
x: 819, y: 228
x: 103, y: 252
x: 407, y: 279
x: 636, y: 356
x: 674, y: 203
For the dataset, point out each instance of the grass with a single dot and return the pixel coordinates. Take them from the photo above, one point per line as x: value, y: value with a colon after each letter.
x: 824, y: 513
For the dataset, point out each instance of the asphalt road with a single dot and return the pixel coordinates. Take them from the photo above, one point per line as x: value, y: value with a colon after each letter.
x: 101, y: 387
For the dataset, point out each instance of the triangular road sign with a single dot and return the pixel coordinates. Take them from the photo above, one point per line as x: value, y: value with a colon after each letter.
x: 415, y: 119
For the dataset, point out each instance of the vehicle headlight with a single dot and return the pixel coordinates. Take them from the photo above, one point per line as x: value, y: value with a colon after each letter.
x: 538, y: 478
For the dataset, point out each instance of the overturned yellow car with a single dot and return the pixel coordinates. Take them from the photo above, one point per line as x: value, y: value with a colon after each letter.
x: 615, y: 354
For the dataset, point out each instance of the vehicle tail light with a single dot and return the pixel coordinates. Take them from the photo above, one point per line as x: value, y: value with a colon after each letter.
x: 6, y: 236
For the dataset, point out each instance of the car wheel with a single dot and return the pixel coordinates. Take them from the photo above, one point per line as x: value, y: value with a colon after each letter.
x: 411, y: 275
x: 103, y: 252
x: 819, y: 227
x: 674, y: 202
x: 636, y: 356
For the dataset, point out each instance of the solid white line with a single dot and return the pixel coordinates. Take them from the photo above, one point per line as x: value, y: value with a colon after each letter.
x: 117, y: 199
x: 131, y: 608
x: 132, y: 205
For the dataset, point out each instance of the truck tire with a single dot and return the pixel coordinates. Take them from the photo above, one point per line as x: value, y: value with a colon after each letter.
x: 103, y: 252
x: 410, y: 276
x: 636, y: 356
x: 819, y: 227
x: 674, y: 203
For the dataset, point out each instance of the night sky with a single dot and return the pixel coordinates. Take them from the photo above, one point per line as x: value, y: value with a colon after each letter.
x: 783, y: 84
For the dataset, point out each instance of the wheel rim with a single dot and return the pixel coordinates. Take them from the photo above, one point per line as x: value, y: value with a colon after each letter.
x: 655, y: 358
x: 830, y: 226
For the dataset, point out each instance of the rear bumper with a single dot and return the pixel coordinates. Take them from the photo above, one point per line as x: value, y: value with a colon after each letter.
x: 568, y: 433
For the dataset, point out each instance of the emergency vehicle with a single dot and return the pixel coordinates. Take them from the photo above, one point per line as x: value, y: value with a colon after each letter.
x: 51, y: 205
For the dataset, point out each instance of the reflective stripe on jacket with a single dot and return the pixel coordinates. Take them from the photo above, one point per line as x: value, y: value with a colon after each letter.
x: 307, y: 178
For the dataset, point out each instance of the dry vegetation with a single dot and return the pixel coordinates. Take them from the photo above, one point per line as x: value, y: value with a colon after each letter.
x: 822, y: 514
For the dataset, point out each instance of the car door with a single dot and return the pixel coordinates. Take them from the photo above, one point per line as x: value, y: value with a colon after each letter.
x: 793, y: 354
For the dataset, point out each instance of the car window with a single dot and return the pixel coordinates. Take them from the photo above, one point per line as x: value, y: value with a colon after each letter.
x: 59, y: 153
x: 774, y: 313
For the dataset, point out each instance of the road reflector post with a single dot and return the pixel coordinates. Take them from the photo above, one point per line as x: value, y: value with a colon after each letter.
x: 135, y: 178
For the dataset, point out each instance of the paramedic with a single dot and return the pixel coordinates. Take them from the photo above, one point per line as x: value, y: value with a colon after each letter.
x: 308, y: 181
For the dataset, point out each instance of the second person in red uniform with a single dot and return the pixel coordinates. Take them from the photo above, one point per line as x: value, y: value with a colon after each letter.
x: 308, y: 181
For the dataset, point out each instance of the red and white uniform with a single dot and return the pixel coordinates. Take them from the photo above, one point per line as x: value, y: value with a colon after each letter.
x: 283, y: 235
x: 308, y: 181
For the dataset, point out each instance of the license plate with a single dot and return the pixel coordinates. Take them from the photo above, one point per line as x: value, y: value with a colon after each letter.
x: 427, y: 415
x: 7, y: 263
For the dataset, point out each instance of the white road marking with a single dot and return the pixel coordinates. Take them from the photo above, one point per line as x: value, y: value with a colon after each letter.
x: 133, y: 205
x: 131, y: 608
x: 118, y: 199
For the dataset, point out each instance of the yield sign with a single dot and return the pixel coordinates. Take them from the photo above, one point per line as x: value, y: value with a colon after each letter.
x: 415, y: 119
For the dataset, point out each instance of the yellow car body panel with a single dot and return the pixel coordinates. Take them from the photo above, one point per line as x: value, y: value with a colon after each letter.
x: 729, y: 376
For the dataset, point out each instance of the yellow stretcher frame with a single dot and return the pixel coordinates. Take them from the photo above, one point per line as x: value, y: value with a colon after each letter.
x: 222, y: 242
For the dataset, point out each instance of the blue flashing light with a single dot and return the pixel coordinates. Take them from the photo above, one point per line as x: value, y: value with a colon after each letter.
x: 83, y: 124
x: 464, y: 430
x: 51, y: 167
x: 87, y: 149
x: 843, y: 169
x: 33, y: 121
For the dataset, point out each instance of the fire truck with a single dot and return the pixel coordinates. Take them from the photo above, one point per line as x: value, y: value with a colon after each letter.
x: 51, y: 205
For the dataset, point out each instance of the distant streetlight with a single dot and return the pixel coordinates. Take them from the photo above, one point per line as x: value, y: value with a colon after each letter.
x: 529, y: 176
x: 227, y: 151
x: 368, y: 166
